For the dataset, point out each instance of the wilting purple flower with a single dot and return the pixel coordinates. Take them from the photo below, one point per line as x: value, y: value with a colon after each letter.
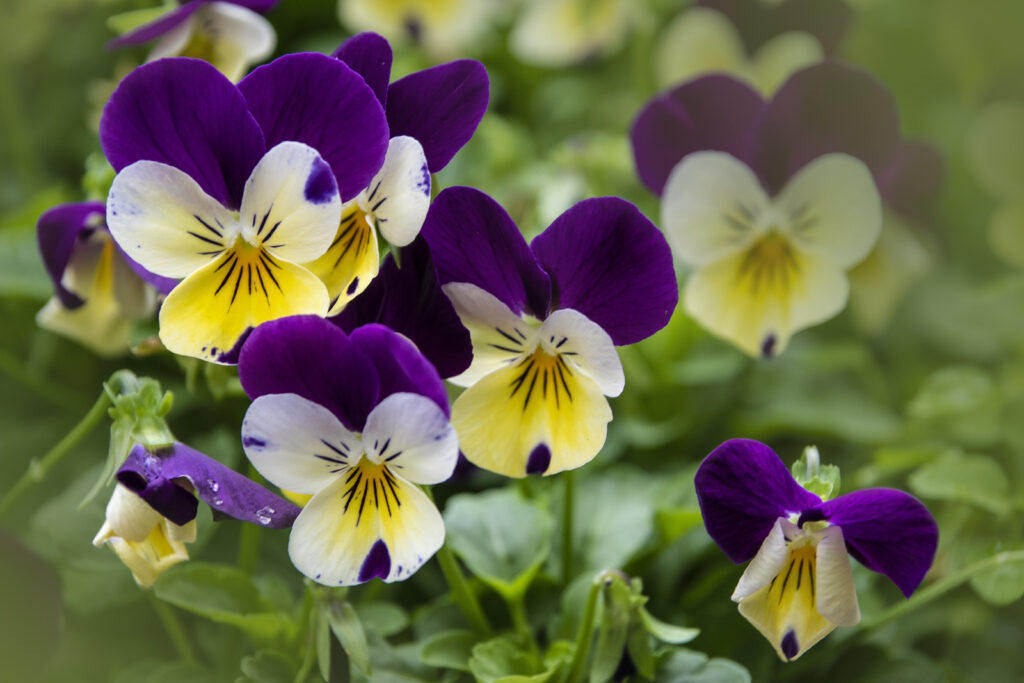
x: 357, y: 421
x: 799, y: 585
x: 544, y: 320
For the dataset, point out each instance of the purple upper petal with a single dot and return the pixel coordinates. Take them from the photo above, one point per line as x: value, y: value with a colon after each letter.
x: 159, y: 26
x: 312, y: 98
x: 608, y: 261
x: 185, y: 113
x: 913, y: 180
x: 888, y: 531
x: 709, y: 113
x: 308, y: 356
x: 758, y: 22
x: 369, y: 55
x: 830, y: 107
x: 743, y: 488
x: 474, y: 240
x: 409, y: 300
x: 400, y: 365
x: 440, y: 107
x: 56, y: 232
x: 157, y: 479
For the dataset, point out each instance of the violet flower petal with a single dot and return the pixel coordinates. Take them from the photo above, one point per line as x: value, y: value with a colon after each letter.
x: 308, y: 356
x: 400, y: 365
x: 159, y: 26
x: 709, y: 113
x: 440, y: 107
x: 57, y: 230
x: 409, y: 300
x: 829, y: 107
x: 911, y: 184
x: 183, y: 112
x: 153, y: 477
x: 888, y: 531
x: 742, y: 488
x: 369, y: 55
x: 608, y: 261
x: 312, y: 98
x: 757, y: 22
x: 474, y: 240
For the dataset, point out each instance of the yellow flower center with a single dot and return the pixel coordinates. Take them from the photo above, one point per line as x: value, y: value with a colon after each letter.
x: 770, y: 265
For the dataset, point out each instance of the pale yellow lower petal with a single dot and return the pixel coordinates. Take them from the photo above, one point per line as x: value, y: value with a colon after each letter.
x: 352, y: 260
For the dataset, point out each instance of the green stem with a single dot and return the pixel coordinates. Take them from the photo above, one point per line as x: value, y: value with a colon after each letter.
x: 173, y: 627
x: 463, y: 595
x: 521, y: 624
x: 249, y: 540
x: 306, y: 619
x: 942, y: 586
x: 568, y: 507
x: 38, y: 469
x: 586, y: 633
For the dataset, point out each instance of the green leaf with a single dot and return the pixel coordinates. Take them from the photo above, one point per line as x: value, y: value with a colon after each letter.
x: 502, y: 538
x: 349, y: 631
x: 383, y: 618
x: 976, y: 479
x: 502, y: 660
x: 674, y: 522
x: 323, y: 641
x: 1002, y: 584
x: 268, y: 666
x: 688, y: 666
x: 667, y: 633
x: 222, y: 594
x: 638, y: 644
x: 164, y: 672
x: 449, y: 649
x: 961, y: 401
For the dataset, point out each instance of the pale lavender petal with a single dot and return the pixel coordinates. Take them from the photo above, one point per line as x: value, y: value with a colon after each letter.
x: 400, y: 365
x: 743, y: 488
x: 912, y: 182
x: 56, y: 232
x: 369, y: 55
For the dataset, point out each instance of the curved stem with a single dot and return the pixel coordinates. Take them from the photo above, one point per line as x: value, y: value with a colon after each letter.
x: 568, y: 507
x: 173, y: 627
x: 38, y: 469
x: 586, y: 633
x: 463, y: 595
x: 517, y: 609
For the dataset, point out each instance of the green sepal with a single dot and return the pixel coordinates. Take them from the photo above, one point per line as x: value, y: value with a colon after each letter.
x: 129, y: 21
x: 821, y: 480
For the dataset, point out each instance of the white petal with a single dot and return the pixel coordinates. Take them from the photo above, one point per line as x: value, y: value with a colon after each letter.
x: 834, y: 209
x: 240, y: 37
x: 767, y: 563
x: 836, y: 597
x: 291, y: 203
x: 399, y: 195
x: 128, y: 517
x: 500, y: 337
x: 585, y: 346
x: 696, y: 42
x: 161, y: 218
x: 781, y: 57
x: 712, y: 206
x: 296, y: 444
x: 411, y: 435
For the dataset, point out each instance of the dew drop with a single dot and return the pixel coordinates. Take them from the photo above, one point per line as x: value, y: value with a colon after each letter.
x: 214, y: 486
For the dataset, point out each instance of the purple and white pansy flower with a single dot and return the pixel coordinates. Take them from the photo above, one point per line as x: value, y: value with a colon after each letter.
x: 228, y: 196
x: 544, y: 320
x: 799, y: 584
x: 358, y: 421
x: 229, y: 34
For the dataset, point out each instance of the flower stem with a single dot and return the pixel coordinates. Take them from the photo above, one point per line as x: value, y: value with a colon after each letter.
x: 249, y: 540
x: 307, y: 637
x: 38, y: 469
x: 942, y: 586
x: 517, y: 608
x: 586, y: 633
x: 568, y: 507
x: 173, y: 627
x: 463, y: 595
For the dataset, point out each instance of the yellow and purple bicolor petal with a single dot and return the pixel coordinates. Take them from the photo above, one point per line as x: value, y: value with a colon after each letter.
x: 798, y: 585
x: 535, y: 398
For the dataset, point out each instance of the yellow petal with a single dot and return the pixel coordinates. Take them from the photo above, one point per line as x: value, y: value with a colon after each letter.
x: 352, y: 259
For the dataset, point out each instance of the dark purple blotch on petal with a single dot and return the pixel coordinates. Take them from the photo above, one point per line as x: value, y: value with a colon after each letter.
x: 377, y: 563
x: 790, y: 646
x: 320, y: 185
x: 400, y: 365
x: 369, y: 55
x: 230, y: 356
x: 743, y: 488
x: 539, y: 460
x: 57, y: 231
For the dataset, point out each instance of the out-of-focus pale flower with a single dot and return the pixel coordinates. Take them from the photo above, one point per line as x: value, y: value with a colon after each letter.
x: 441, y: 27
x: 562, y: 32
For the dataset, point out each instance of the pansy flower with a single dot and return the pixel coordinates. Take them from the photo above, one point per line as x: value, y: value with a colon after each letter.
x: 229, y: 34
x: 358, y: 421
x: 772, y: 202
x: 440, y: 27
x: 799, y: 584
x: 544, y: 320
x: 556, y: 33
x: 199, y: 196
x: 97, y: 296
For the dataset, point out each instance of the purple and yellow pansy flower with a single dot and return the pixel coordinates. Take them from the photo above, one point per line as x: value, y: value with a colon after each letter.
x: 358, y: 421
x: 544, y: 320
x: 97, y: 295
x: 799, y: 584
x: 229, y: 34
x: 227, y: 197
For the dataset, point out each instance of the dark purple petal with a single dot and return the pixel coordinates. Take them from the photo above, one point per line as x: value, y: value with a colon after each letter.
x: 608, y: 261
x: 159, y: 26
x: 185, y: 113
x: 743, y: 488
x: 829, y: 107
x: 758, y: 22
x: 474, y: 240
x: 308, y: 356
x: 260, y: 6
x: 369, y: 55
x: 709, y: 113
x: 440, y: 107
x: 56, y: 232
x: 888, y: 531
x: 409, y: 300
x: 400, y: 365
x: 913, y: 180
x: 312, y: 98
x: 157, y: 477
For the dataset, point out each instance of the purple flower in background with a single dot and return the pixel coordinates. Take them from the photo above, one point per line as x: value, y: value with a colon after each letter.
x: 758, y: 22
x: 799, y: 585
x: 357, y: 421
x: 229, y: 34
x: 544, y: 320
